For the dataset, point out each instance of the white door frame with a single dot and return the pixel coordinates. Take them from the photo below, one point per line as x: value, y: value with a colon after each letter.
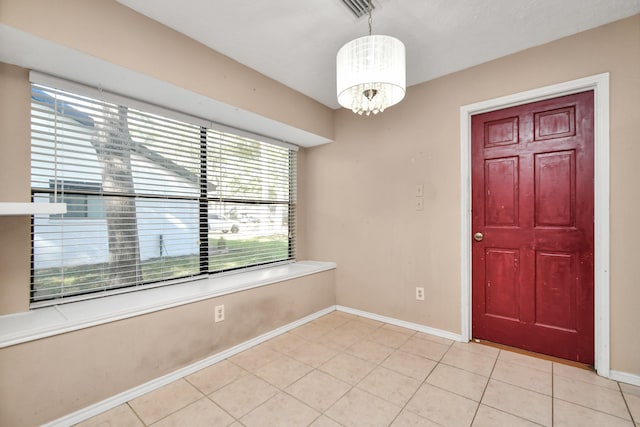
x: 600, y: 85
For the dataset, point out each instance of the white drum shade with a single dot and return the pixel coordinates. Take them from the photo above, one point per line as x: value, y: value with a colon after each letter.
x: 371, y: 74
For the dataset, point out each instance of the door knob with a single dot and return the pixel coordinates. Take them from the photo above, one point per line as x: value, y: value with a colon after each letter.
x: 478, y: 237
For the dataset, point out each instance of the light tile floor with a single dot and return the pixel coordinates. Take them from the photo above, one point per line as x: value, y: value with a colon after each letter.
x: 344, y: 370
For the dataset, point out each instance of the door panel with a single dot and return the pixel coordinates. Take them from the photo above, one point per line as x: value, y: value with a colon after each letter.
x: 532, y: 199
x: 501, y: 186
x: 552, y: 124
x: 556, y: 290
x: 555, y: 189
x: 501, y: 132
x: 501, y: 295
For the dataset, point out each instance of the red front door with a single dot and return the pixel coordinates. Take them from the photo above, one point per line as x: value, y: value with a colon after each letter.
x: 532, y: 203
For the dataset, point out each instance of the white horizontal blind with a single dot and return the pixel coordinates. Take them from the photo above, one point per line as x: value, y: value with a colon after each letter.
x: 151, y: 200
x: 254, y: 185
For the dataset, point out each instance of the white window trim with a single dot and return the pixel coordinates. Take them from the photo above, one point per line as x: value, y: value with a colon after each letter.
x: 600, y: 85
x: 54, y: 320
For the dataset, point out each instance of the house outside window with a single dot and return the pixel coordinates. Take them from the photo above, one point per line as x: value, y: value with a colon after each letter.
x: 80, y: 198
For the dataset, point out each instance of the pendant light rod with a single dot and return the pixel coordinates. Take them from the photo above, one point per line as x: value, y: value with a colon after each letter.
x: 370, y: 17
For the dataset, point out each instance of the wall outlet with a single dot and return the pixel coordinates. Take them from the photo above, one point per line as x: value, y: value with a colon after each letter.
x: 420, y: 294
x: 419, y: 203
x: 219, y: 313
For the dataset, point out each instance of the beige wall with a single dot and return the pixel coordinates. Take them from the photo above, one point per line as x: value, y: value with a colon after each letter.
x: 360, y: 189
x: 52, y: 377
x: 15, y: 231
x: 49, y: 378
x: 110, y: 31
x: 45, y: 379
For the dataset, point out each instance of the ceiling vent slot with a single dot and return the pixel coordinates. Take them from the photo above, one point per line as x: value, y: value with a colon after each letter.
x: 358, y: 7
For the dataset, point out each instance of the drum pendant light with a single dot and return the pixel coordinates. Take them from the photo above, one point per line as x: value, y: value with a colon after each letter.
x: 371, y: 73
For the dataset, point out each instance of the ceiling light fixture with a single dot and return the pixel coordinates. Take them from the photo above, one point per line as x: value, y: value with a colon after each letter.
x: 371, y: 73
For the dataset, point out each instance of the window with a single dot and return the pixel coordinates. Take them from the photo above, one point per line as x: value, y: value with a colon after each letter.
x: 151, y: 200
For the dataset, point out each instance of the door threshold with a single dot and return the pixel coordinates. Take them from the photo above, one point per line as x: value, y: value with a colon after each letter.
x: 533, y: 354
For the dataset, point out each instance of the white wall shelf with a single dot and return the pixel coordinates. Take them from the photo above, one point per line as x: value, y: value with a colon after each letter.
x: 10, y: 208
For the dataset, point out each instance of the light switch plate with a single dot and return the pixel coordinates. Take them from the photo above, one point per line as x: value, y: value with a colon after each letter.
x: 219, y: 315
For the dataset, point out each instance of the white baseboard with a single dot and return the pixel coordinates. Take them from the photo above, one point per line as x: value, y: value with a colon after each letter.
x: 625, y: 377
x: 402, y: 323
x: 126, y: 396
x: 119, y: 399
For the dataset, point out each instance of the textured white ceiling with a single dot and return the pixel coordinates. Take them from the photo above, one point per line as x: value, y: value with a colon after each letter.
x: 295, y: 41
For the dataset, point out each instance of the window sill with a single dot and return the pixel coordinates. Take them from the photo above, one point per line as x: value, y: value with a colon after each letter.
x: 12, y: 209
x: 49, y: 321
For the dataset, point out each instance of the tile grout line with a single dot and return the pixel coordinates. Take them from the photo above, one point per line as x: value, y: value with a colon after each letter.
x: 249, y: 372
x: 424, y: 381
x: 351, y: 387
x: 377, y: 365
x: 495, y: 362
x: 512, y: 385
x: 594, y: 409
x: 598, y: 410
x: 344, y: 351
x: 314, y: 368
x: 135, y: 413
x: 553, y: 398
x: 207, y: 396
x: 181, y: 408
x: 624, y: 399
x: 284, y: 391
